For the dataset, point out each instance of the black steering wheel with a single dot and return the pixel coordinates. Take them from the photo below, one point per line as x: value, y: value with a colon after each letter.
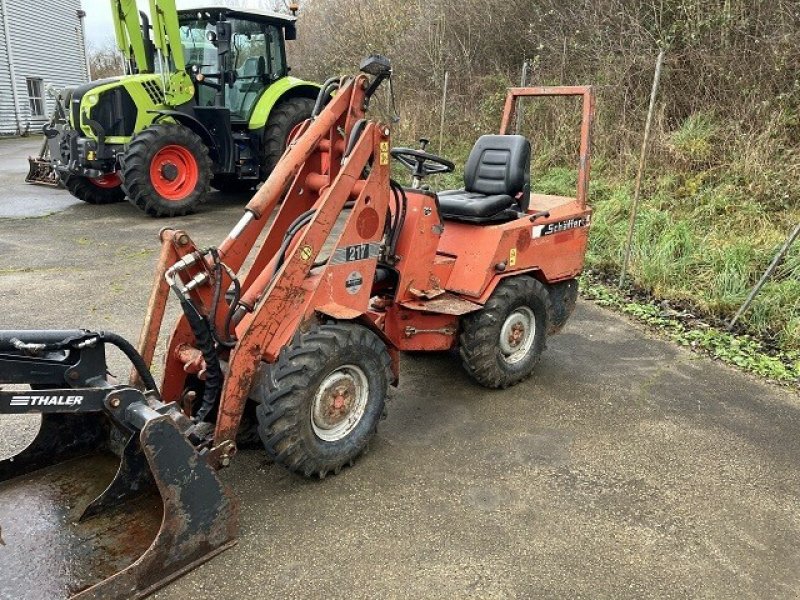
x: 421, y: 163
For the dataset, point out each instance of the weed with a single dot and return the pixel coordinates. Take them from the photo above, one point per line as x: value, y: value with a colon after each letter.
x: 742, y: 351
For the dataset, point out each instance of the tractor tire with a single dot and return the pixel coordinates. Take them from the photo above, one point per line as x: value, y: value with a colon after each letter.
x: 229, y: 184
x: 101, y: 190
x: 282, y: 121
x: 501, y: 343
x: 166, y: 170
x: 319, y: 404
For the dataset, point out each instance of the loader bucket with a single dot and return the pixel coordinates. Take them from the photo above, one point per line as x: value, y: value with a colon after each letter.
x: 91, y: 525
x: 41, y: 172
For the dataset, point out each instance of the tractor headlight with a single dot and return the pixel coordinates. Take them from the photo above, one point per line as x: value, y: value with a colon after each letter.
x: 92, y: 99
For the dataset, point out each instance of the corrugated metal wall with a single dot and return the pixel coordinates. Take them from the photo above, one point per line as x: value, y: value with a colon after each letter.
x: 46, y: 42
x: 7, y: 120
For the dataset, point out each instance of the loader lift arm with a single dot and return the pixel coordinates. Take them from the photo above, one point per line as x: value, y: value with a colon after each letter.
x: 132, y: 36
x: 335, y: 173
x: 167, y: 41
x: 337, y: 158
x: 166, y: 31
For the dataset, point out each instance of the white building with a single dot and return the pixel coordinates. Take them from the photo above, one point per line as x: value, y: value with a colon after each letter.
x: 42, y: 45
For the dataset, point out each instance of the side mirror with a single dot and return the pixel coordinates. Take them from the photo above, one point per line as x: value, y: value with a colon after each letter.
x: 290, y: 32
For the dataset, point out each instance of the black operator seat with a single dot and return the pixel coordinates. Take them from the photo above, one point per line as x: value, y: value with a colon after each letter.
x: 496, y: 182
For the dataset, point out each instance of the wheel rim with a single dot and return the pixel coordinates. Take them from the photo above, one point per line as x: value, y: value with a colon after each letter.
x: 517, y: 334
x: 174, y: 172
x: 107, y: 181
x: 340, y: 403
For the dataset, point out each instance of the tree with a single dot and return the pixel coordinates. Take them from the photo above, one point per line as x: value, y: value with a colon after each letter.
x: 105, y: 61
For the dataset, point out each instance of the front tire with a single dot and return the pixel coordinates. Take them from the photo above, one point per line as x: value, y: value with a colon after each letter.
x: 99, y: 190
x: 501, y: 344
x: 320, y: 402
x: 166, y: 170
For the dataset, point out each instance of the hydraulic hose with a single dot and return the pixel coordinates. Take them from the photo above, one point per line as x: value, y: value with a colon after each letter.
x: 296, y: 225
x: 400, y: 219
x: 324, y: 92
x: 35, y: 342
x: 133, y: 355
x: 205, y: 343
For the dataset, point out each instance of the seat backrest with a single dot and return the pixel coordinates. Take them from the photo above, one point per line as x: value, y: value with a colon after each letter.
x: 255, y: 66
x: 500, y: 164
x: 247, y: 87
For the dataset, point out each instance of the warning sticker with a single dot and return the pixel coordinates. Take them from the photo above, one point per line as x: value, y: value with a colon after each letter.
x: 384, y: 158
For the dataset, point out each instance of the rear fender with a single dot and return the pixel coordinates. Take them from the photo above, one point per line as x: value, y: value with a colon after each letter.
x: 563, y: 295
x: 286, y: 87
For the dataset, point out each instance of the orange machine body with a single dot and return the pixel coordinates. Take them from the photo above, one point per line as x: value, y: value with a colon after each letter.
x: 338, y: 264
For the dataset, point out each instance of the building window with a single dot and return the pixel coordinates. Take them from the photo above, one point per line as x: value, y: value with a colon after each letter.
x: 35, y: 96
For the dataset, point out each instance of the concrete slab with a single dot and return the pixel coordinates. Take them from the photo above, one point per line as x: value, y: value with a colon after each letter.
x: 20, y: 199
x: 625, y: 468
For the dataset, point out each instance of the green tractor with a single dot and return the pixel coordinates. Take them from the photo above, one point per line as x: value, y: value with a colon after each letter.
x: 206, y: 101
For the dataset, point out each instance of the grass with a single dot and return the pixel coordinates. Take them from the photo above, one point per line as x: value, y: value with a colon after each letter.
x: 703, y: 250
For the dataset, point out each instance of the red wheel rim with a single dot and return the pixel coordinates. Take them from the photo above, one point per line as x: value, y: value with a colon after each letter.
x: 174, y: 172
x: 107, y: 181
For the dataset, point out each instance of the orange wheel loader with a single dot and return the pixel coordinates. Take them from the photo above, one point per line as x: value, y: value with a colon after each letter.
x: 298, y: 349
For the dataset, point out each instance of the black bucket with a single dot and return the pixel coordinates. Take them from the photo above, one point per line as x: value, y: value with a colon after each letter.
x: 94, y: 526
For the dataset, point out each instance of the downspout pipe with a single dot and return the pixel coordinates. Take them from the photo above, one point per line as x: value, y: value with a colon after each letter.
x: 82, y: 25
x: 11, y: 71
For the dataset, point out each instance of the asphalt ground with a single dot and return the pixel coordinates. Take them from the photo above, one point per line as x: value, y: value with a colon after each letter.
x: 624, y: 468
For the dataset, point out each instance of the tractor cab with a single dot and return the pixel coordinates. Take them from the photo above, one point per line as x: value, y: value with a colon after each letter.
x: 234, y: 55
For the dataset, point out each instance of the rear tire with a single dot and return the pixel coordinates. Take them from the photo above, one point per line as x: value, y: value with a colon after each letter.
x: 85, y: 189
x: 501, y: 344
x: 320, y: 402
x: 166, y: 170
x: 282, y: 120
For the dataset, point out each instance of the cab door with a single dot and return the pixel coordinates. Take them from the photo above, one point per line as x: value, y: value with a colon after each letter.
x: 258, y: 60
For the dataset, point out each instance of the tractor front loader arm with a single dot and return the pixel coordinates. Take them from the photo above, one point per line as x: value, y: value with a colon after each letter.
x: 166, y: 31
x: 167, y: 39
x: 288, y: 297
x: 128, y: 33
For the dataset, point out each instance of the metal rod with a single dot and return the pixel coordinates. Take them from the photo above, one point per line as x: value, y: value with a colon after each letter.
x: 11, y: 65
x: 642, y: 156
x: 156, y: 307
x: 444, y: 105
x: 767, y: 274
x: 519, y: 108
